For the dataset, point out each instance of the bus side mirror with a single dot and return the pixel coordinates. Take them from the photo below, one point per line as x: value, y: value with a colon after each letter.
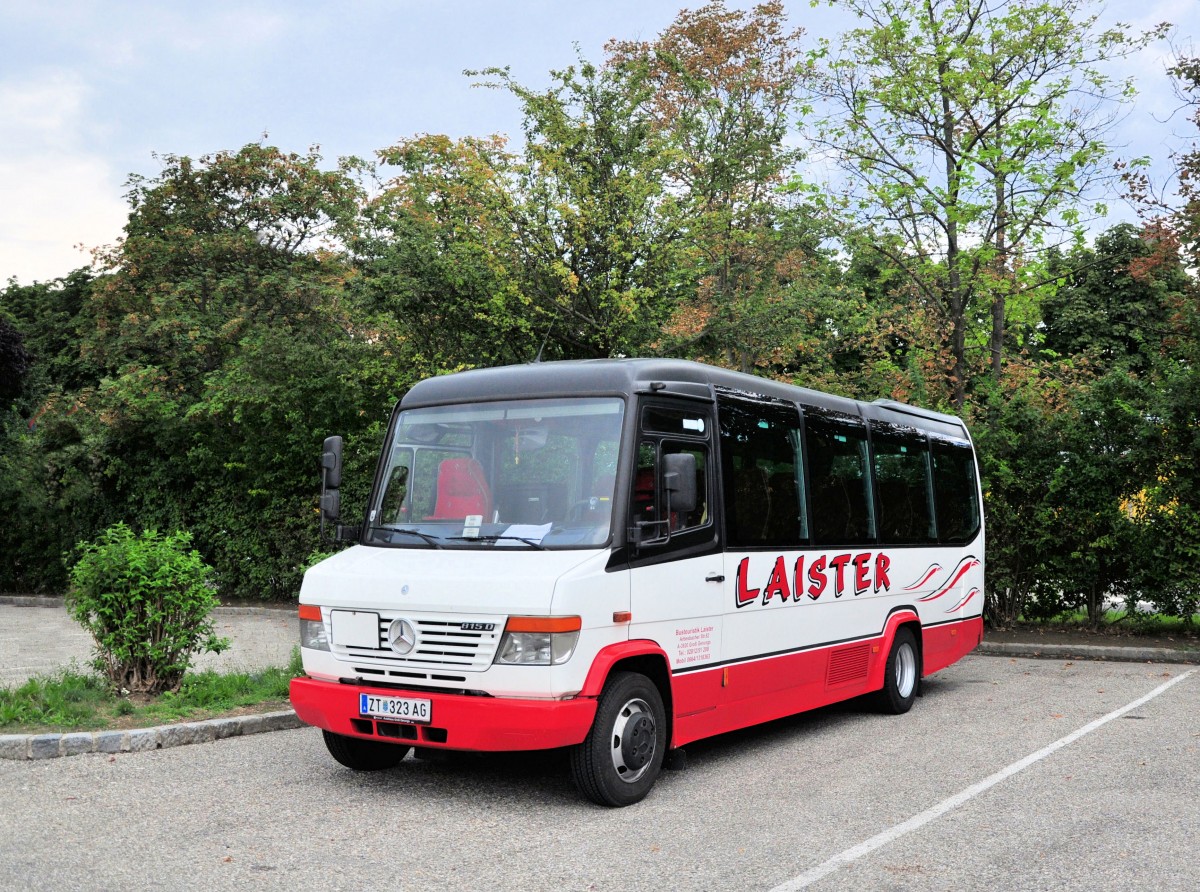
x: 331, y: 505
x: 679, y: 481
x: 331, y: 463
x: 331, y: 479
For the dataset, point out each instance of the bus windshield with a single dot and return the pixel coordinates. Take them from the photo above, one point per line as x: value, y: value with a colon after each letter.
x: 521, y: 474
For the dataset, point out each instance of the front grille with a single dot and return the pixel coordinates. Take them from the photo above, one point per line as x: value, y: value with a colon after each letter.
x: 442, y: 644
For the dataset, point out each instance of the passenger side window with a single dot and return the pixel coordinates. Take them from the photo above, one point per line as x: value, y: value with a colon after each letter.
x: 666, y: 431
x: 902, y: 480
x: 956, y: 493
x: 761, y: 456
x: 839, y: 478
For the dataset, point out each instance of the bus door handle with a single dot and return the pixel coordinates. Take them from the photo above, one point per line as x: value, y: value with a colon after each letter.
x: 714, y: 577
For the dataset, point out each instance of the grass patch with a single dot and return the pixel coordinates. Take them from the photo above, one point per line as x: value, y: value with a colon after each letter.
x: 1121, y: 622
x: 74, y: 700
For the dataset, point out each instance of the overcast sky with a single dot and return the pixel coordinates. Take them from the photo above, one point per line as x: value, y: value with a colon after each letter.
x: 89, y: 91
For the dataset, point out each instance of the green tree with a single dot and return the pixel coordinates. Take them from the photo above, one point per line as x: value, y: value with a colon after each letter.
x: 52, y: 316
x: 1101, y: 436
x: 1016, y: 427
x: 1086, y: 473
x: 726, y: 91
x: 227, y: 352
x: 48, y: 477
x: 15, y: 362
x: 964, y: 130
x: 1167, y: 509
x: 596, y: 244
x: 436, y: 255
x: 1113, y: 303
x: 212, y: 247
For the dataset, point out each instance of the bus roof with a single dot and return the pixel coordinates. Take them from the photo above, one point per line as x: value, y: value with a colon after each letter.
x: 676, y: 377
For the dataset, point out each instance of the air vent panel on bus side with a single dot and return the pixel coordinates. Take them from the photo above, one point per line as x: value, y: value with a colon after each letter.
x: 848, y: 664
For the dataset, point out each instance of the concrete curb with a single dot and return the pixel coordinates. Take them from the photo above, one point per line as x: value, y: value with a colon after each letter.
x: 31, y: 601
x: 140, y: 740
x: 1087, y: 652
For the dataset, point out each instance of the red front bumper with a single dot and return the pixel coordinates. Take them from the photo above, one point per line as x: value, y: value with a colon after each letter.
x: 459, y: 722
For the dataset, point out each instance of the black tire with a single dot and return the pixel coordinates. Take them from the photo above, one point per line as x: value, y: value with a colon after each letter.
x: 364, y: 755
x: 901, y: 675
x: 622, y: 756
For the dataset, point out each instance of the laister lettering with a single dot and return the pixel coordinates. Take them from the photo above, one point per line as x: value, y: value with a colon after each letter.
x: 882, y: 564
x: 862, y: 571
x: 813, y: 575
x: 778, y: 583
x: 816, y: 577
x: 744, y: 594
x: 839, y: 581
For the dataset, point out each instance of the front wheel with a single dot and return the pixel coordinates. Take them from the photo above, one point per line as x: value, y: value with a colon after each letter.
x: 619, y: 761
x: 364, y: 755
x: 901, y: 675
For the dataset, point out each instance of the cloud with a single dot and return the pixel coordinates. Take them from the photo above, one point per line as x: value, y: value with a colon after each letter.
x: 221, y: 32
x: 58, y: 193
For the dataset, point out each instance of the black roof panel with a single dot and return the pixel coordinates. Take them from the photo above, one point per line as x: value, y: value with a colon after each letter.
x: 610, y: 377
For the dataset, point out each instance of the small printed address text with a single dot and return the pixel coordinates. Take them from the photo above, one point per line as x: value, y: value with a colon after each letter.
x: 693, y: 645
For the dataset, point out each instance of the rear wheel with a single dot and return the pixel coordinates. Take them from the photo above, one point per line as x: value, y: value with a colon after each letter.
x: 901, y: 675
x: 364, y: 755
x: 622, y: 756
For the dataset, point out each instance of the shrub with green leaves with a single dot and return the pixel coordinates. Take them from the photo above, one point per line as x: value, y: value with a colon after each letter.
x: 146, y: 601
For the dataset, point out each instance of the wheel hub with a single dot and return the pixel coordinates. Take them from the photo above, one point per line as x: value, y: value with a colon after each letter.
x: 638, y: 744
x: 634, y: 741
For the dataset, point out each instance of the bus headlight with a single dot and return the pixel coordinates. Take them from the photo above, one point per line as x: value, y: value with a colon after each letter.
x: 312, y: 628
x: 538, y: 640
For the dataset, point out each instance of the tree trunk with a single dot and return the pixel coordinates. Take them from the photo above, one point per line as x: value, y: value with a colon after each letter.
x: 999, y: 298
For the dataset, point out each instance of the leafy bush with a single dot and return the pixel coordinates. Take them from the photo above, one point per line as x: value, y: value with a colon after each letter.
x: 145, y: 599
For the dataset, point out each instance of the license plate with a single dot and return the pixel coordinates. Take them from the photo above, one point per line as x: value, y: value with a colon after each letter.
x: 398, y: 709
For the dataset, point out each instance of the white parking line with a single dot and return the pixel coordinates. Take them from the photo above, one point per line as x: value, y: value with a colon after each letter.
x: 890, y: 835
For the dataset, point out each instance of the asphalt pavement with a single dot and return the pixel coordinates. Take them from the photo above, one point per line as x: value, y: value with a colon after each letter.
x: 1010, y: 774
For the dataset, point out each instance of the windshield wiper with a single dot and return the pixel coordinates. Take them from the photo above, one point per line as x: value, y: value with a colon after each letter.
x: 532, y: 543
x: 432, y: 540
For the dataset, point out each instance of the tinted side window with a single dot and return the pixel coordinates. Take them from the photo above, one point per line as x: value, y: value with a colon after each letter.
x: 839, y: 478
x: 956, y: 494
x: 761, y: 461
x: 668, y: 429
x: 902, y: 481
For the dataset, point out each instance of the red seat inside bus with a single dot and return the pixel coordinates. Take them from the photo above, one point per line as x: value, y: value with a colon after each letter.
x: 462, y: 490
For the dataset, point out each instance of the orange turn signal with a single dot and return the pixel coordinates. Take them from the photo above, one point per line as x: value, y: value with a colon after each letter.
x: 544, y: 624
x: 310, y: 611
x: 622, y: 616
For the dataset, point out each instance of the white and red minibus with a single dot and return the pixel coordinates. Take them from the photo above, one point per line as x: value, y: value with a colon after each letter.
x: 624, y: 556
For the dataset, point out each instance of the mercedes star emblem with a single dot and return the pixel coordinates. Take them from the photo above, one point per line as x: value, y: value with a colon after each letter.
x: 402, y: 636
